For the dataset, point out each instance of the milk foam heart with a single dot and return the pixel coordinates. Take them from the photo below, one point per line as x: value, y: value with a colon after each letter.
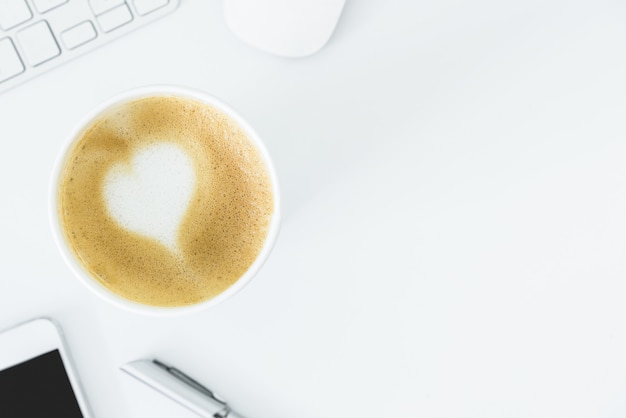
x: 185, y: 207
x: 150, y: 195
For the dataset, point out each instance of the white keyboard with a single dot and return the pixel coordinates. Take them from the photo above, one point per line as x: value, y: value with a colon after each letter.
x: 37, y: 35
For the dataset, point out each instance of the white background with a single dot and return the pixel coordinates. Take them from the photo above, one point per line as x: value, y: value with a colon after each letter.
x: 454, y: 237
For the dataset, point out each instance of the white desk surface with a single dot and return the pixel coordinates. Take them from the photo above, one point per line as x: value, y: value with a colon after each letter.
x: 454, y: 235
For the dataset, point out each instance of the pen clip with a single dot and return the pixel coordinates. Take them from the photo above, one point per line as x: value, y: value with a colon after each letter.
x: 190, y: 381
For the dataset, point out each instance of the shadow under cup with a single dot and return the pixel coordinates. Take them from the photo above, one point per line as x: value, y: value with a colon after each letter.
x: 164, y: 201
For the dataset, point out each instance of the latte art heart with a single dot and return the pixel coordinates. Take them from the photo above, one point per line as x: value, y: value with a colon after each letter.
x: 184, y: 205
x: 150, y: 194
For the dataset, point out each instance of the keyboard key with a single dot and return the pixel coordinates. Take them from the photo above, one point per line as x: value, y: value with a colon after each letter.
x: 38, y: 35
x: 101, y: 6
x: 44, y: 6
x: 115, y: 18
x: 13, y: 12
x: 38, y: 43
x: 144, y: 7
x: 10, y: 63
x: 78, y: 35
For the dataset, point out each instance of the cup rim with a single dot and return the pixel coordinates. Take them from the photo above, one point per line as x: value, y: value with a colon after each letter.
x: 71, y: 259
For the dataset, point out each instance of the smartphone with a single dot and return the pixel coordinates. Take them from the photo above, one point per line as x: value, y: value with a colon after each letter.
x: 36, y: 376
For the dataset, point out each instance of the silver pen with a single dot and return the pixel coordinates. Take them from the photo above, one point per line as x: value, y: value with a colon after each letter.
x: 181, y: 388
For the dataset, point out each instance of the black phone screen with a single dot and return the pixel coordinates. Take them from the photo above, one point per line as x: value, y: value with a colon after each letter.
x: 37, y: 388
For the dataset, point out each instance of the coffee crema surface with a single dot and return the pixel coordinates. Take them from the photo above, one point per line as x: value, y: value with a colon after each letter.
x: 223, y: 220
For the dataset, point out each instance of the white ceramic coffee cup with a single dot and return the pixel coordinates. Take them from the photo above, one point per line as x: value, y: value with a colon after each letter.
x: 74, y: 263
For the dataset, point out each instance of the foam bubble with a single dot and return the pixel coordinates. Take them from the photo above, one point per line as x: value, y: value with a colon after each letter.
x: 150, y: 194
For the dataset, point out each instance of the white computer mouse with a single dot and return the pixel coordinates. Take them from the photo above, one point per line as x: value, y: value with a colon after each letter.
x: 290, y: 28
